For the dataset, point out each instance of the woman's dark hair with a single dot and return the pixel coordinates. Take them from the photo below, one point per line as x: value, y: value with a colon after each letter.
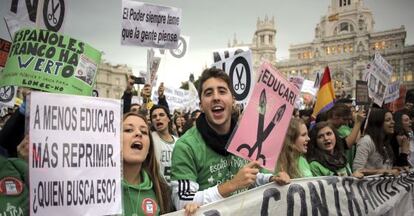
x: 313, y: 148
x: 398, y: 127
x: 167, y: 112
x: 375, y: 130
x: 333, y: 162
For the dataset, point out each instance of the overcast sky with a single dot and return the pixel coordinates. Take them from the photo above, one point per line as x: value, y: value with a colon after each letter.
x: 211, y: 24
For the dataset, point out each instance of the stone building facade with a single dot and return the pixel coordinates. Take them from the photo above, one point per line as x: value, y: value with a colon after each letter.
x: 111, y: 80
x: 345, y: 41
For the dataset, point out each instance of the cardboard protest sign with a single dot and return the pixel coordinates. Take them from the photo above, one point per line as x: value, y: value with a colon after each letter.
x: 74, y: 155
x: 150, y: 25
x: 393, y: 92
x: 378, y: 74
x: 51, y: 62
x: 269, y: 112
x: 361, y: 92
x: 240, y: 69
x: 44, y: 14
x: 4, y: 51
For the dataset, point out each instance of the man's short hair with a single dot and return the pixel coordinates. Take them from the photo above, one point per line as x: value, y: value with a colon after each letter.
x: 339, y: 110
x: 213, y: 73
x: 153, y: 108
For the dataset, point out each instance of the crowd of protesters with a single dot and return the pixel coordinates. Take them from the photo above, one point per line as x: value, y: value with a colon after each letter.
x: 167, y: 157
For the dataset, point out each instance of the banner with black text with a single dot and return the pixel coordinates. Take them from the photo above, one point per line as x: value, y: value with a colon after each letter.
x: 321, y: 196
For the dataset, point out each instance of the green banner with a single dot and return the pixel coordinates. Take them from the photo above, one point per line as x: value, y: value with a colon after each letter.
x: 51, y: 62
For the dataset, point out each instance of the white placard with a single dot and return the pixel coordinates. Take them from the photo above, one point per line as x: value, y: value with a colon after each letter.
x: 75, y: 155
x: 45, y: 14
x: 378, y: 74
x: 242, y: 77
x: 178, y: 99
x: 150, y: 25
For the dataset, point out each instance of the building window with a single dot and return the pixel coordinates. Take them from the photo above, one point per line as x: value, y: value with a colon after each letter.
x: 409, y: 77
x: 262, y: 39
x: 270, y: 39
x: 351, y: 28
x: 343, y: 27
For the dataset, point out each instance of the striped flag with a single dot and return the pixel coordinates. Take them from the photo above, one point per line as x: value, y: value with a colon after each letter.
x: 326, y: 94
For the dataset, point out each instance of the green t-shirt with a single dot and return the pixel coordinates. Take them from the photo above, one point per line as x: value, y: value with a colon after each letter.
x: 319, y: 170
x: 14, y: 191
x: 193, y: 160
x: 304, y: 167
x: 343, y: 132
x: 140, y: 199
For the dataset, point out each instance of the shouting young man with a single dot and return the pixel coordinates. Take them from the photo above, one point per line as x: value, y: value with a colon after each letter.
x: 164, y: 141
x: 202, y: 170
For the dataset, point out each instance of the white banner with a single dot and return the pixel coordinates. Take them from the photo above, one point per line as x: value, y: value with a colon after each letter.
x: 393, y: 92
x: 75, y: 155
x: 150, y: 25
x: 321, y: 196
x: 242, y: 77
x: 178, y: 99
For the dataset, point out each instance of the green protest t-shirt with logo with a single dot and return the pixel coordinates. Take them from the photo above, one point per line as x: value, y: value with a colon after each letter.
x: 319, y: 170
x: 193, y: 160
x: 14, y: 192
x: 140, y: 199
x: 343, y: 132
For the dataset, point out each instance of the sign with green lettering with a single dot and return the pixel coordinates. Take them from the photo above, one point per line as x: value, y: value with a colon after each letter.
x: 51, y: 62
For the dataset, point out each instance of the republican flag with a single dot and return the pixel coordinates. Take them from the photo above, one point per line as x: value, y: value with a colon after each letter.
x: 326, y: 94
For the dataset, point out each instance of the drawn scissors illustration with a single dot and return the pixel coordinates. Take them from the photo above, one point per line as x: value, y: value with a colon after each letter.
x: 263, y: 134
x: 51, y: 16
x: 239, y: 85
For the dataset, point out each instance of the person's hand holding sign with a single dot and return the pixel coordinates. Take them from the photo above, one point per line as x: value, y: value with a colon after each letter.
x: 282, y: 178
x: 244, y: 178
x: 161, y: 90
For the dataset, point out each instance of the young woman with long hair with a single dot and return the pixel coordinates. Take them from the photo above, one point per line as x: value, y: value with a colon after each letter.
x: 402, y: 142
x: 326, y: 152
x: 295, y: 146
x: 145, y: 191
x: 374, y: 154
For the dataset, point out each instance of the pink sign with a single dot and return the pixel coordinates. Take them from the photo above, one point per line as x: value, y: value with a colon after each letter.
x: 261, y: 131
